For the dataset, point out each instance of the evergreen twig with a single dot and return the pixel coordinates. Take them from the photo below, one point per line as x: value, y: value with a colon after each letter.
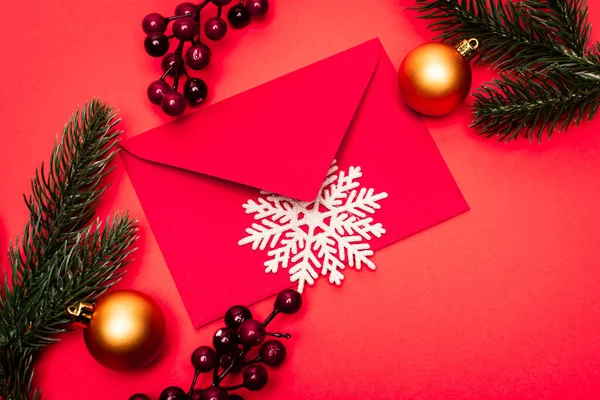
x: 549, y: 78
x: 529, y: 104
x: 62, y: 255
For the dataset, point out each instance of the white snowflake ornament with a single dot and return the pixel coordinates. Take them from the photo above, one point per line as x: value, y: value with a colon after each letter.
x: 323, y: 235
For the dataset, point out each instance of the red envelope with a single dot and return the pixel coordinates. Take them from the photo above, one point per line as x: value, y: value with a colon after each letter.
x: 194, y: 174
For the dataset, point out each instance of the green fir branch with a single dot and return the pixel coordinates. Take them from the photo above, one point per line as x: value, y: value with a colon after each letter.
x: 512, y: 34
x: 550, y: 77
x: 63, y: 256
x: 531, y: 104
x: 64, y: 200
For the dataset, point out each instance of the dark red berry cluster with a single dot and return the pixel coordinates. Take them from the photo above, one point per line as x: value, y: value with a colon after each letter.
x: 196, y: 55
x: 231, y: 345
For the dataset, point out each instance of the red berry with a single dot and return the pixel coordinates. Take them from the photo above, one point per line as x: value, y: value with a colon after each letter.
x: 157, y: 90
x: 215, y: 28
x: 156, y: 44
x: 255, y: 377
x: 251, y: 332
x: 238, y: 16
x: 154, y: 23
x: 225, y: 340
x: 272, y: 353
x: 197, y: 394
x: 172, y: 393
x: 139, y: 396
x: 257, y: 8
x: 288, y: 302
x: 173, y: 104
x: 197, y: 56
x: 185, y: 28
x: 186, y: 8
x: 204, y: 359
x: 168, y: 61
x: 214, y: 393
x: 195, y: 91
x: 236, y: 315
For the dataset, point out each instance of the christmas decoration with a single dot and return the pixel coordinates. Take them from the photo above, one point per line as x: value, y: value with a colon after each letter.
x: 232, y: 345
x: 549, y: 70
x: 63, y: 255
x: 435, y: 78
x: 124, y: 330
x: 321, y: 235
x: 190, y: 51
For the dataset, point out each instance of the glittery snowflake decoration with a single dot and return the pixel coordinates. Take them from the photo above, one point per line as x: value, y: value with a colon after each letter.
x: 323, y: 235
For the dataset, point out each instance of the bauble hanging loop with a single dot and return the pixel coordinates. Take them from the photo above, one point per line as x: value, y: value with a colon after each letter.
x: 124, y: 330
x: 435, y: 78
x: 467, y: 48
x: 81, y: 313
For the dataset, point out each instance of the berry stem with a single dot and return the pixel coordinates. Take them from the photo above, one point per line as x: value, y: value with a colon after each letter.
x: 216, y: 376
x: 174, y: 17
x: 178, y: 64
x: 279, y: 335
x: 193, y: 385
x: 198, y: 20
x: 236, y: 387
x: 198, y: 9
x: 223, y: 374
x: 164, y: 76
x: 254, y: 361
x: 219, y: 10
x: 270, y: 317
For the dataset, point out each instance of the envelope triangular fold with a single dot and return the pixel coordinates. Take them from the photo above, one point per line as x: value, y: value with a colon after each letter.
x: 281, y: 136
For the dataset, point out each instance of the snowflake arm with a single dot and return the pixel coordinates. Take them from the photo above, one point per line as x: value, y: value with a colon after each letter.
x: 350, y: 224
x: 304, y: 269
x: 294, y: 241
x: 331, y: 263
x: 339, y: 187
x: 365, y: 202
x: 354, y: 251
x: 260, y: 235
x: 276, y: 208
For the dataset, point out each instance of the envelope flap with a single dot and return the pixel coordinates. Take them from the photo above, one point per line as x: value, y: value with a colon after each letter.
x: 281, y: 136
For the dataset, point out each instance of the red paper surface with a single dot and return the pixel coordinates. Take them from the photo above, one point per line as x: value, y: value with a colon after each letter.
x: 498, y: 303
x: 195, y: 216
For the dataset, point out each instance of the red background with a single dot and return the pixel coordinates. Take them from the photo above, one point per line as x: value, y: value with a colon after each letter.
x: 498, y: 303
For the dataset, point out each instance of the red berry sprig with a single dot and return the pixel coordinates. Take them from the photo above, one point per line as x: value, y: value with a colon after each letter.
x: 231, y: 346
x: 196, y: 55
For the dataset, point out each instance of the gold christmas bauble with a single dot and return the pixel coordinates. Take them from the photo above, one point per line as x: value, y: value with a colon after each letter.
x: 435, y: 78
x: 124, y: 330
